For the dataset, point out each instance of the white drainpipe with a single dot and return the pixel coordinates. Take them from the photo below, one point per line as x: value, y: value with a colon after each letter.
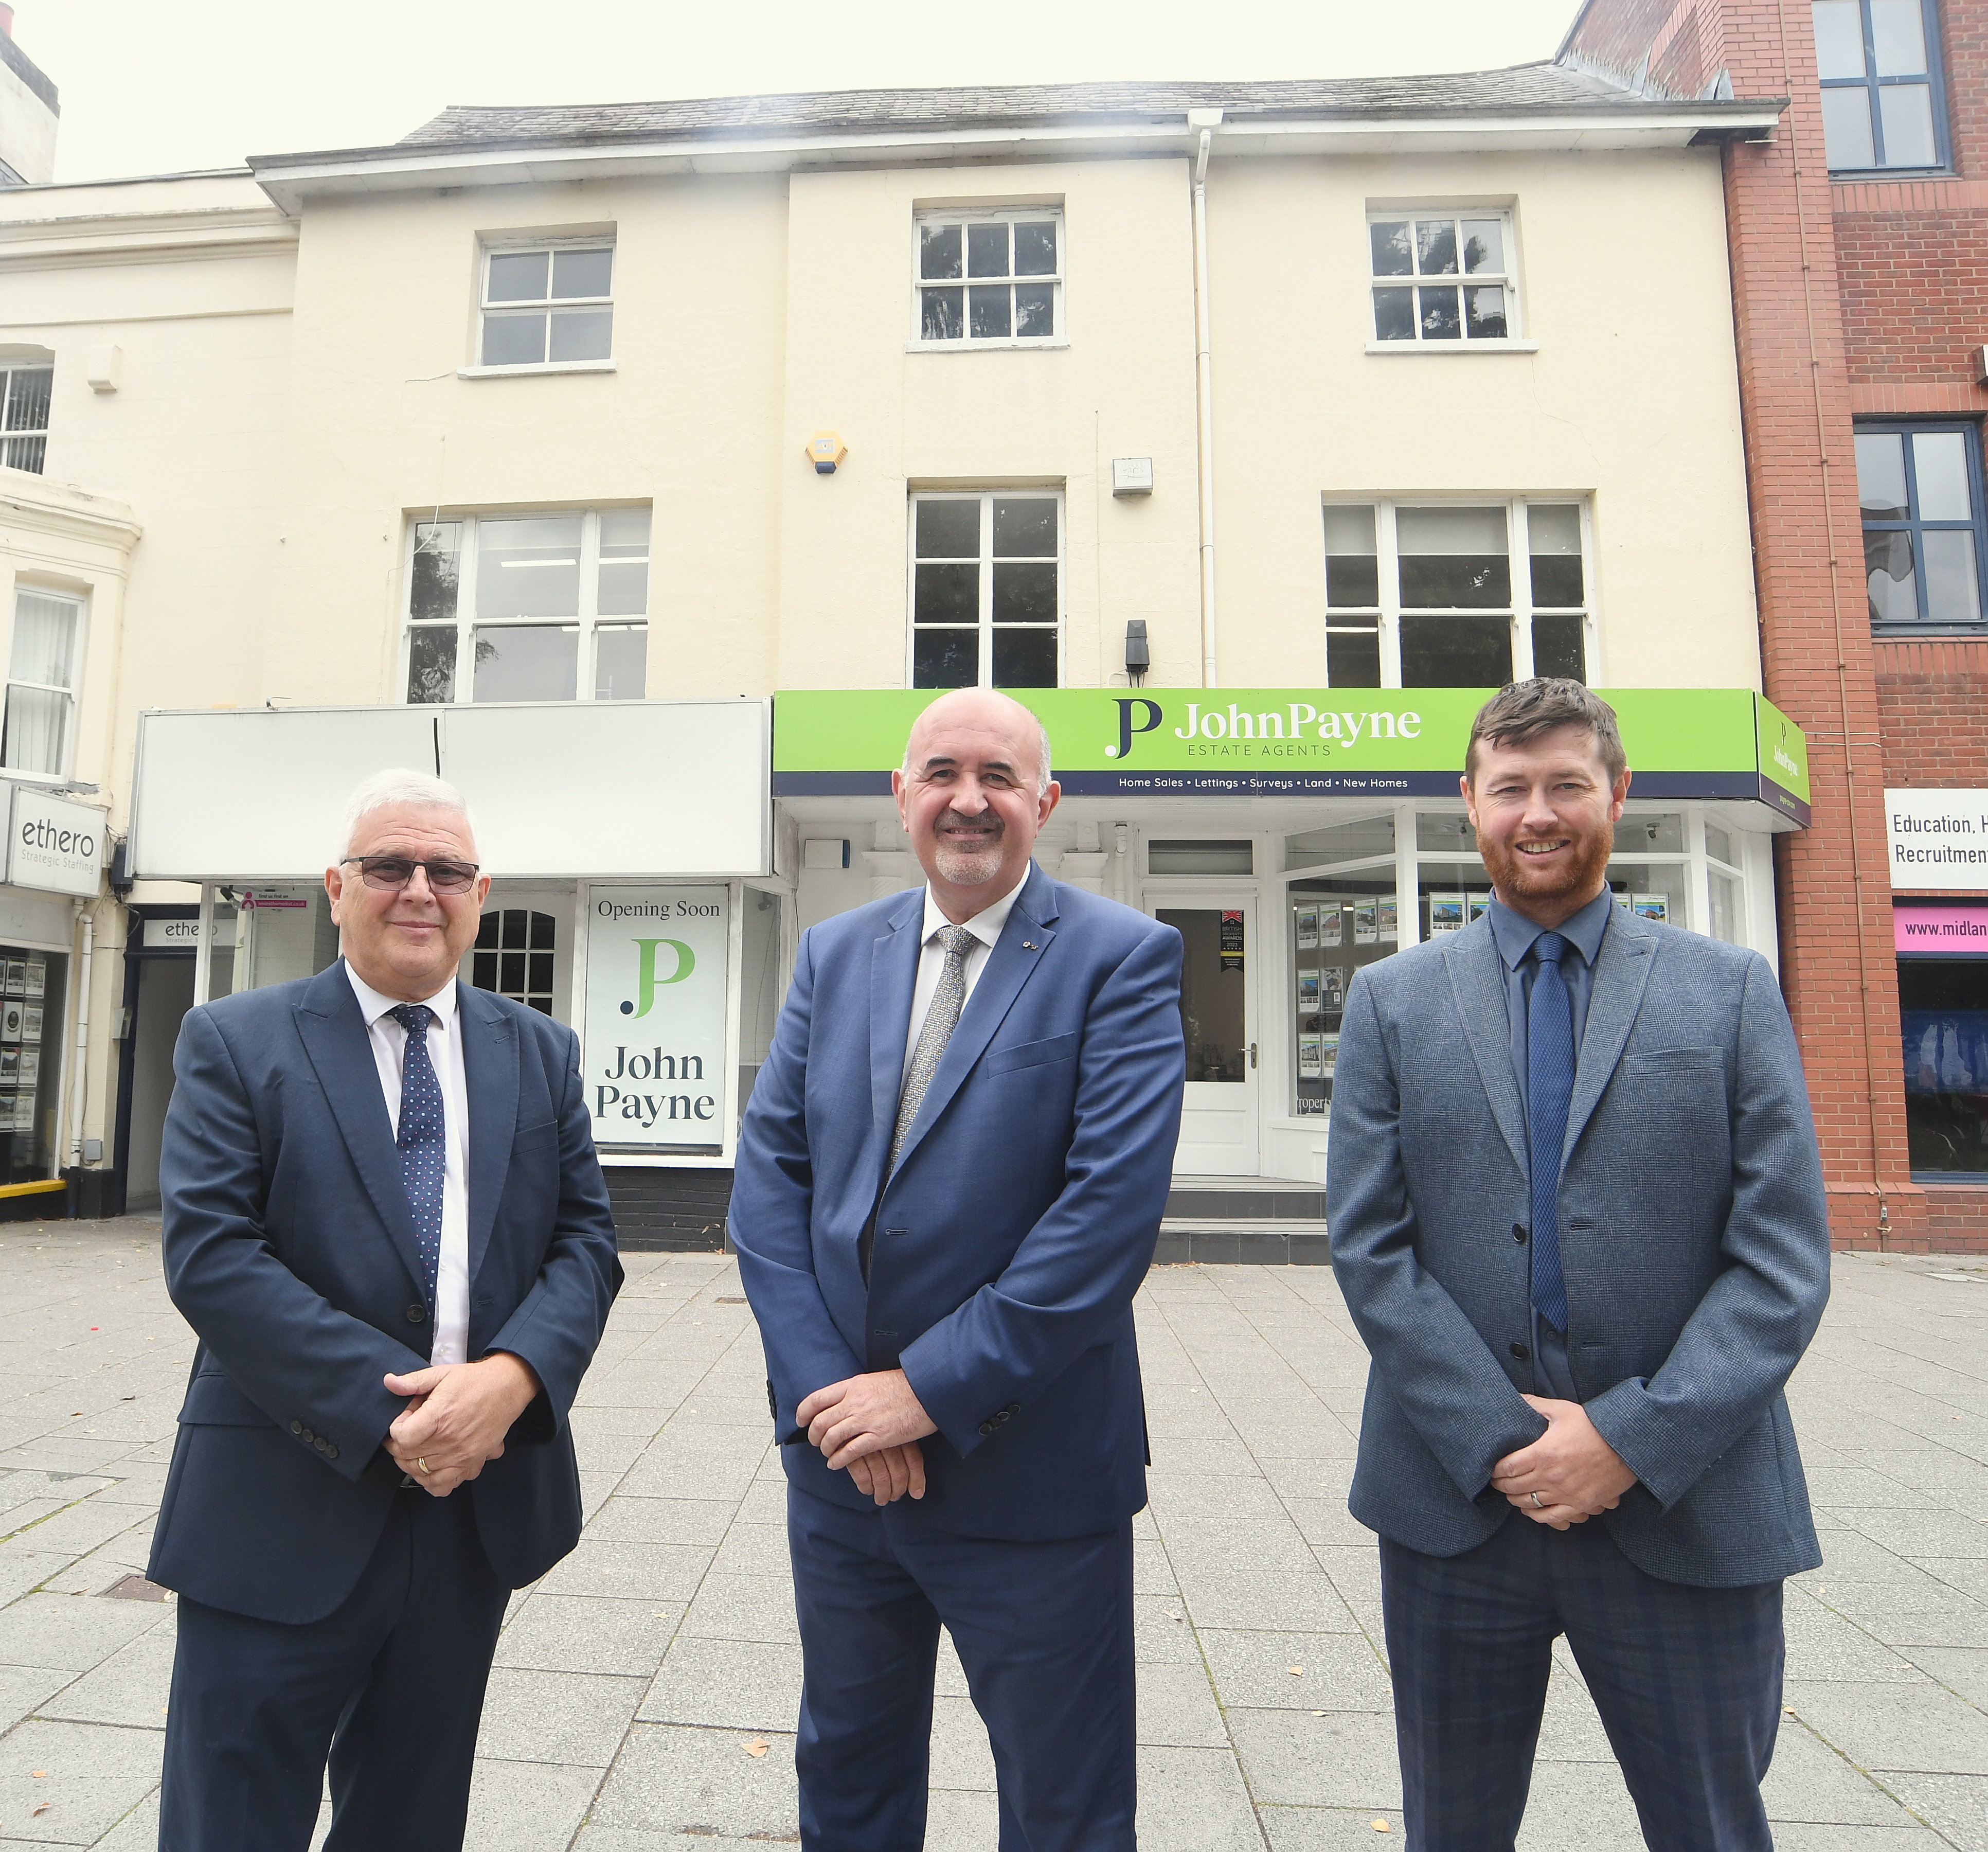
x: 1207, y: 121
x: 78, y: 1091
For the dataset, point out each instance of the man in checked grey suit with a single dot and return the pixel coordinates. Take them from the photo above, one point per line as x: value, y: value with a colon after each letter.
x: 1577, y: 1214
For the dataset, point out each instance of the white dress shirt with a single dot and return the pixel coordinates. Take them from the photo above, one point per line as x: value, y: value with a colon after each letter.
x: 985, y: 925
x: 390, y: 1047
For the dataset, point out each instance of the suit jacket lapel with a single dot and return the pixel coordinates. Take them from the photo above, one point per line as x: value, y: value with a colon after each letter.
x: 490, y: 1082
x: 1477, y: 982
x: 1621, y: 970
x: 893, y: 972
x: 333, y: 1030
x: 1017, y: 954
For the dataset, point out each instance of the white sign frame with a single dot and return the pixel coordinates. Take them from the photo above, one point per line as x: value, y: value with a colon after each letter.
x: 40, y: 829
x: 1949, y: 829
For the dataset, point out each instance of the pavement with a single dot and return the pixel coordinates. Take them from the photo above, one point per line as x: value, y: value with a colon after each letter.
x: 645, y: 1691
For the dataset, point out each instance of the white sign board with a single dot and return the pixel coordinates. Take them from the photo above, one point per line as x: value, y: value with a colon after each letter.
x: 653, y: 1064
x: 175, y: 933
x: 55, y: 844
x: 1937, y: 839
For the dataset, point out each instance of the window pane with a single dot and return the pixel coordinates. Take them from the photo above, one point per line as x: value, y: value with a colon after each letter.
x: 1393, y: 315
x: 1953, y: 591
x: 1907, y: 111
x: 528, y: 569
x: 625, y: 588
x: 1353, y: 660
x: 436, y: 569
x: 1025, y: 658
x: 27, y: 390
x: 37, y: 719
x: 583, y: 273
x: 1352, y: 581
x: 1557, y: 579
x: 946, y: 594
x: 518, y: 276
x: 1483, y: 244
x: 1939, y: 462
x: 1881, y: 475
x: 544, y: 928
x: 1393, y: 253
x: 1839, y: 38
x: 1486, y: 309
x: 948, y: 530
x: 945, y: 658
x: 624, y: 533
x: 44, y: 639
x: 987, y: 313
x: 1553, y: 527
x: 621, y: 662
x: 1435, y: 248
x: 1035, y: 250
x: 1897, y: 36
x: 511, y: 971
x: 987, y: 250
x: 514, y: 340
x: 517, y: 929
x: 1034, y: 310
x: 1025, y: 594
x: 527, y: 663
x: 1887, y: 565
x: 1349, y: 529
x: 941, y: 314
x: 28, y: 453
x: 1441, y: 318
x: 1846, y: 129
x: 1559, y: 648
x: 1453, y: 558
x: 431, y: 663
x: 938, y: 251
x: 583, y: 334
x: 1024, y: 529
x: 1456, y: 652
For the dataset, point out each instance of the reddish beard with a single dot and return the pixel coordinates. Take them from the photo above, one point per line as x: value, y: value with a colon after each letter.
x: 1518, y: 880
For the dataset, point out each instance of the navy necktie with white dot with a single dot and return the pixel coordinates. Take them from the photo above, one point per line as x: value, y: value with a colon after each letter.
x: 423, y: 1145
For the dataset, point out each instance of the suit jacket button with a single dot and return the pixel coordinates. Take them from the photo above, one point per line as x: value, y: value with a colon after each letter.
x: 1518, y: 1232
x: 320, y: 1443
x: 986, y: 1427
x: 416, y: 1314
x: 308, y: 1435
x: 297, y: 1427
x: 331, y: 1452
x: 1520, y: 1352
x: 1014, y: 1408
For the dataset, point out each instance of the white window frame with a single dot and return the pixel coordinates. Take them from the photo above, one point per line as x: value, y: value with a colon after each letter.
x: 1512, y: 341
x: 489, y: 248
x: 588, y: 619
x: 936, y: 215
x: 10, y: 439
x: 986, y: 498
x: 79, y: 644
x: 1522, y: 610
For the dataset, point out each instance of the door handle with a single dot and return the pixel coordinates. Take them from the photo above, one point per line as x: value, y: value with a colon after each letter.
x: 1253, y: 1055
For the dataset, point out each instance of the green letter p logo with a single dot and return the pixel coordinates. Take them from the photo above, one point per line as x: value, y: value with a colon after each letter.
x: 646, y: 979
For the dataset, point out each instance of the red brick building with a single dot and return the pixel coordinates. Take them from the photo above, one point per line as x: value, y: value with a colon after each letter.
x: 1858, y: 232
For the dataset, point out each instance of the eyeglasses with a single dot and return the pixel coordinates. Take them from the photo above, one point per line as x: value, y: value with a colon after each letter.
x: 391, y: 873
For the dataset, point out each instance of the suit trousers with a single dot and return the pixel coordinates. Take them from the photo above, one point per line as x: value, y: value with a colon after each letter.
x: 1044, y: 1633
x: 390, y: 1685
x: 1687, y: 1680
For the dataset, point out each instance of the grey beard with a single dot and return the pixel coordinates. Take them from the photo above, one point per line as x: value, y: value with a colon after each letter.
x: 969, y: 867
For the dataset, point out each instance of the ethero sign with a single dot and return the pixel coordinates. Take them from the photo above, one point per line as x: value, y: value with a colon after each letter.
x: 55, y: 845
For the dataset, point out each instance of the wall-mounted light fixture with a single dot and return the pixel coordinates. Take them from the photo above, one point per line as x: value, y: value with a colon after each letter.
x: 1138, y: 652
x: 825, y: 450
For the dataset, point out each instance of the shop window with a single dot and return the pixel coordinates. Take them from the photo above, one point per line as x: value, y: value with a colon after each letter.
x: 988, y: 277
x: 1455, y: 595
x: 1919, y: 486
x: 1197, y: 856
x: 529, y: 608
x: 1336, y: 925
x: 547, y: 304
x: 514, y: 956
x: 24, y: 392
x: 42, y: 659
x: 986, y: 590
x: 31, y: 1024
x: 1443, y: 277
x: 1214, y: 994
x: 1879, y: 63
x: 1943, y: 1015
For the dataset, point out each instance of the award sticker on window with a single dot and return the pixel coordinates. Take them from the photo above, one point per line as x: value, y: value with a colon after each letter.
x: 1232, y: 941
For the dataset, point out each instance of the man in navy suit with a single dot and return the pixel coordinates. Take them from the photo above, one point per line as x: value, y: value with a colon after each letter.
x: 949, y: 1185
x: 1577, y: 1214
x: 384, y: 1220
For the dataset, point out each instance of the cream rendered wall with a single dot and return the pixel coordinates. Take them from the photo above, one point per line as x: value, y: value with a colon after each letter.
x: 987, y: 418
x: 380, y: 429
x: 1632, y: 398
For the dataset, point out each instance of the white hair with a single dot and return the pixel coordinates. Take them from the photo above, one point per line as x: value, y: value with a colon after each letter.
x: 398, y: 785
x: 1042, y: 774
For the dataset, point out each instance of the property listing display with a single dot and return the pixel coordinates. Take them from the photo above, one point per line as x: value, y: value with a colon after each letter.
x: 1336, y: 927
x: 31, y: 1015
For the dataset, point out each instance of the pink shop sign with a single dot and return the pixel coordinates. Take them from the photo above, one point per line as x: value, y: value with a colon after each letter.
x: 1960, y: 926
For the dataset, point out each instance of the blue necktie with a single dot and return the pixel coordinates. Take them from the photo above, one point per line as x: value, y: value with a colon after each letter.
x: 1549, y: 1091
x: 423, y: 1145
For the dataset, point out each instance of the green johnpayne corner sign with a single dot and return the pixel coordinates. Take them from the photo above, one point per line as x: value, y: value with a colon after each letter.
x: 1684, y: 743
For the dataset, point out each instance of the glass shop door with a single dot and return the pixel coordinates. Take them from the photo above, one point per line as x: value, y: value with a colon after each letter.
x: 1218, y: 1120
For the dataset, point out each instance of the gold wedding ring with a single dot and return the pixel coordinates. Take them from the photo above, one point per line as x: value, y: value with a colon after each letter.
x: 424, y: 1465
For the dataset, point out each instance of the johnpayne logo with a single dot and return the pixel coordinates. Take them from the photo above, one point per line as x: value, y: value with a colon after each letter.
x: 646, y: 982
x: 1783, y: 758
x: 1291, y: 721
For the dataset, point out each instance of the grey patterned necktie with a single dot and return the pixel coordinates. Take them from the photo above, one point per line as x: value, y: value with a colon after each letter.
x: 940, y: 1020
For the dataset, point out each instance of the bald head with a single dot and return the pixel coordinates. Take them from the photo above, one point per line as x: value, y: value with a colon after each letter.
x: 984, y: 709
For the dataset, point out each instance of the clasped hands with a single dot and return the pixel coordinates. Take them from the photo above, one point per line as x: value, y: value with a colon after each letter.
x: 869, y: 1426
x: 1576, y: 1474
x: 456, y: 1418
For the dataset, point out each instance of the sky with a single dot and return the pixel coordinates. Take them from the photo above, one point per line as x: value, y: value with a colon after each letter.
x: 159, y: 87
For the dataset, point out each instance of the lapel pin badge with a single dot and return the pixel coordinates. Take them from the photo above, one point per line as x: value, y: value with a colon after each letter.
x: 1028, y: 945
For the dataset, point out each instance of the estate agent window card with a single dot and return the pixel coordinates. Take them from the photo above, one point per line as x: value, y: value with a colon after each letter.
x: 1332, y: 987
x: 1366, y: 921
x: 37, y: 977
x: 1311, y: 1058
x: 1480, y: 904
x: 31, y: 1023
x: 1445, y: 913
x: 1388, y: 921
x: 1331, y: 921
x: 1651, y: 906
x: 31, y: 1067
x: 1307, y: 919
x: 1308, y: 991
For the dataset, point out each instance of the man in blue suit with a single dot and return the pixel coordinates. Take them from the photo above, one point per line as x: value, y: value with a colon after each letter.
x: 949, y: 1185
x: 384, y: 1220
x: 1578, y: 1213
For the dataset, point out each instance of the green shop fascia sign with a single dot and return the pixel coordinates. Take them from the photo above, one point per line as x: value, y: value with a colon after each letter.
x: 1704, y: 743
